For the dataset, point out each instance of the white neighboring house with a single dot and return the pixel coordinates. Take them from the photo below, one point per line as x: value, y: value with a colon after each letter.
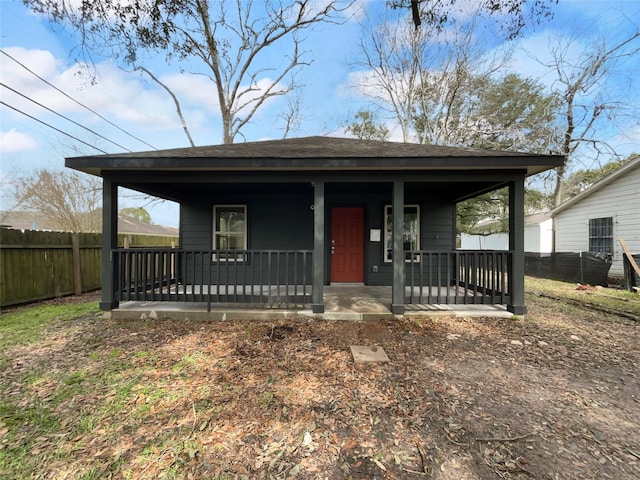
x: 538, y: 236
x: 597, y: 217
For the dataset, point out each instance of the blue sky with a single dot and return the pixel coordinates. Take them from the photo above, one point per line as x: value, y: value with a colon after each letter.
x: 143, y: 109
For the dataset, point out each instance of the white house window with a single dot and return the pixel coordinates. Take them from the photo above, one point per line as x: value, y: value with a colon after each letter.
x: 229, y: 229
x: 410, y: 230
x: 601, y: 235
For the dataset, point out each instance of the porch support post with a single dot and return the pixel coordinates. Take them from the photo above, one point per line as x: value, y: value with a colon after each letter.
x: 317, y: 299
x: 397, y: 290
x: 109, y: 242
x: 516, y: 245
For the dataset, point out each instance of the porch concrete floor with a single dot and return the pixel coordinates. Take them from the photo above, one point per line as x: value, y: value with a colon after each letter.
x: 342, y: 302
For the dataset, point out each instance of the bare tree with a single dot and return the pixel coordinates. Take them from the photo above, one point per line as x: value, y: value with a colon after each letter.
x: 451, y: 91
x: 176, y: 102
x: 71, y: 200
x: 227, y: 41
x: 392, y: 60
x: 409, y: 72
x: 292, y: 116
x: 589, y: 85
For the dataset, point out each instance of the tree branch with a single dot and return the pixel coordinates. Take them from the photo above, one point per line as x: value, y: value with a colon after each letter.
x: 175, y: 101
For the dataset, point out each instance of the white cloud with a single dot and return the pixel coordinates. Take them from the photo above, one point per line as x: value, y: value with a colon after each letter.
x: 14, y: 141
x: 115, y: 94
x: 120, y: 96
x: 194, y: 89
x: 127, y: 97
x: 42, y: 62
x: 131, y: 100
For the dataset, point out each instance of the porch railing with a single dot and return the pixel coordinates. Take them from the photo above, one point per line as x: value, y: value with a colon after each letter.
x: 283, y: 278
x: 268, y: 278
x: 458, y: 277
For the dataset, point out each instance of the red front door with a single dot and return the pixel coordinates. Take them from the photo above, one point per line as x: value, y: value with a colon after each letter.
x: 347, y: 244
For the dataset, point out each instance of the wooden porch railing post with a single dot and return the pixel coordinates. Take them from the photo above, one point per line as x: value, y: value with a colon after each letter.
x: 318, y: 248
x: 516, y: 246
x: 397, y: 291
x: 109, y: 242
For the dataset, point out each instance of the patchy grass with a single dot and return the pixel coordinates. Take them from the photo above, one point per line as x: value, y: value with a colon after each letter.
x: 607, y: 299
x: 25, y: 325
x: 555, y: 394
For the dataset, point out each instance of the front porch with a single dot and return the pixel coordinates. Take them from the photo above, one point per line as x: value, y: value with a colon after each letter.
x: 342, y: 302
x: 217, y: 284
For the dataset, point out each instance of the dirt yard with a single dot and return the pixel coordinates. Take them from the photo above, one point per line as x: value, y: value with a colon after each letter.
x: 555, y: 395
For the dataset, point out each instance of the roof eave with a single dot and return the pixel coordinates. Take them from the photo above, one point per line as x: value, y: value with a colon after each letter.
x: 97, y: 166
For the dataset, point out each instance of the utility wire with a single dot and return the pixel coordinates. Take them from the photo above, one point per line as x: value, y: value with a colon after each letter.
x: 51, y: 126
x: 62, y: 116
x: 76, y: 101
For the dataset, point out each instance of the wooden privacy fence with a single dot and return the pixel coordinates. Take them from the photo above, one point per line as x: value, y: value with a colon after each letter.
x: 36, y: 265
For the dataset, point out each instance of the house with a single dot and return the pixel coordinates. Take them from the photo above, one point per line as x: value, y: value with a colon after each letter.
x: 272, y: 223
x: 538, y: 233
x: 30, y: 220
x: 597, y: 217
x: 538, y: 236
x: 136, y: 227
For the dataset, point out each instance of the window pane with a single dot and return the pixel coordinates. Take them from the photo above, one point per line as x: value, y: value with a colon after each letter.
x: 230, y: 242
x: 230, y: 219
x: 410, y: 241
x: 410, y: 219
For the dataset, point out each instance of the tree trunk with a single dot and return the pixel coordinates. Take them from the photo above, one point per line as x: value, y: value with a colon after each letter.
x: 557, y: 191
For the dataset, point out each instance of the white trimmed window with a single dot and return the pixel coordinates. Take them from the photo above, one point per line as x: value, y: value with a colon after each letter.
x: 229, y: 229
x: 410, y: 230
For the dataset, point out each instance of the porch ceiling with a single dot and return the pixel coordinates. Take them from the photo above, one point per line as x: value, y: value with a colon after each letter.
x: 179, y: 191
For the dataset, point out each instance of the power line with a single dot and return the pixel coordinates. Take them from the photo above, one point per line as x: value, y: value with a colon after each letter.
x: 62, y: 116
x: 76, y: 101
x: 51, y: 126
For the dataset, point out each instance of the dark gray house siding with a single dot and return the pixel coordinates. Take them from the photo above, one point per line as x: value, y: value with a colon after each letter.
x: 275, y: 220
x: 281, y: 218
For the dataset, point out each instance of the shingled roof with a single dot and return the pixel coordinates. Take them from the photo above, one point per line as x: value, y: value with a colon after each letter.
x: 316, y: 153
